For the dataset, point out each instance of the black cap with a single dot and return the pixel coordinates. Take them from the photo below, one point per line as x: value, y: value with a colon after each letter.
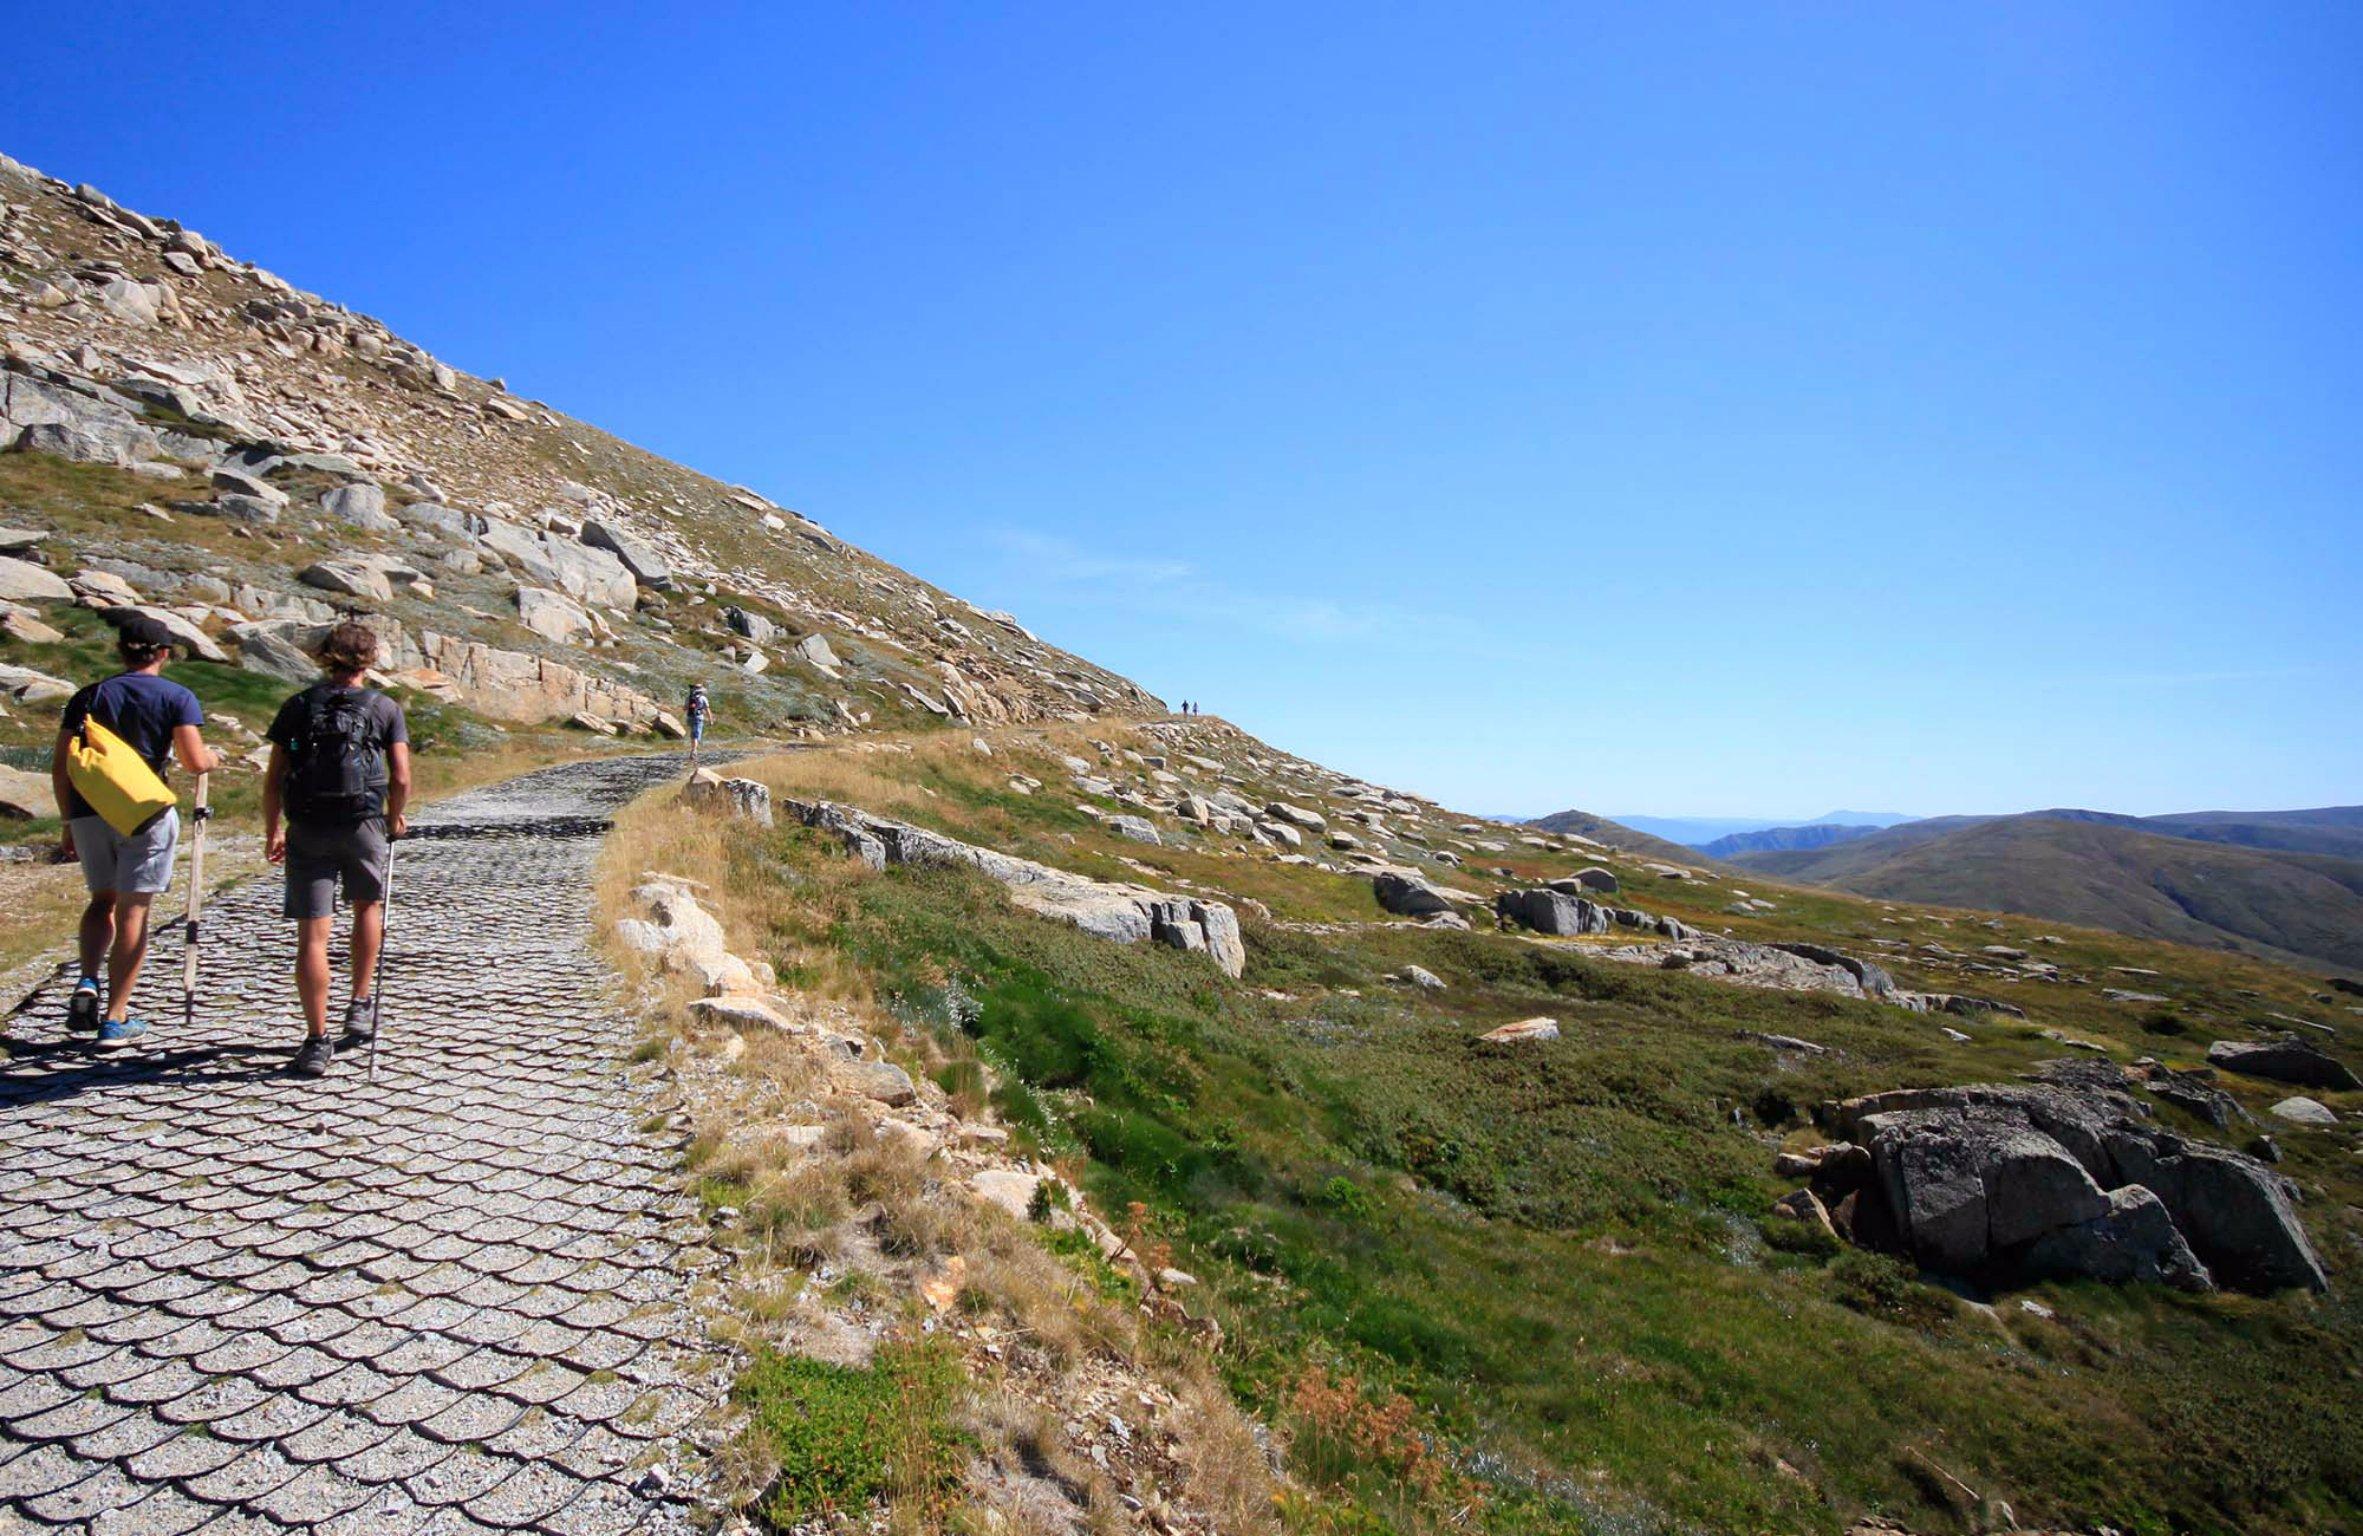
x: 144, y: 629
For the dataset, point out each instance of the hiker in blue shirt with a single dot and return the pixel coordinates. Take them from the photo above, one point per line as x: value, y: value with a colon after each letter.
x: 125, y: 873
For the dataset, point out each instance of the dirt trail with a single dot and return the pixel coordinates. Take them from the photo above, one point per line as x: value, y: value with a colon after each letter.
x: 453, y: 1301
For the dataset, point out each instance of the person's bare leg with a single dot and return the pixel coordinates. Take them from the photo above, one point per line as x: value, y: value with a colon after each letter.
x: 311, y: 971
x: 130, y: 950
x: 98, y: 931
x: 369, y: 935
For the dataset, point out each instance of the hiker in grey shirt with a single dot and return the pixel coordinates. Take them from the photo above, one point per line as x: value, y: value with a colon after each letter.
x: 340, y: 772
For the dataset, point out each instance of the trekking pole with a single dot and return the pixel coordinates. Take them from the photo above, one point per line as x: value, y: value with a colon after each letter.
x: 200, y: 814
x: 377, y: 987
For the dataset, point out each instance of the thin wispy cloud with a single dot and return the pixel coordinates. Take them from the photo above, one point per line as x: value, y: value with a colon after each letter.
x: 1062, y: 560
x: 1179, y: 589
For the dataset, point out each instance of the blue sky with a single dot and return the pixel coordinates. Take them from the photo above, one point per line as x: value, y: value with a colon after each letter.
x: 1739, y: 410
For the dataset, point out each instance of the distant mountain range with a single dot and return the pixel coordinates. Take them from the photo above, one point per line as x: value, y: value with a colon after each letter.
x: 2285, y: 884
x: 1700, y: 831
x: 1817, y: 834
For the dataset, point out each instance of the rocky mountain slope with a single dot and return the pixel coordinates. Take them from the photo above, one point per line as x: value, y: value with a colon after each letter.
x: 290, y: 458
x: 2214, y: 887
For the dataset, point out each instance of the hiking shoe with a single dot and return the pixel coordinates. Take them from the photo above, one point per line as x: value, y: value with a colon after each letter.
x: 115, y: 1034
x: 315, y: 1058
x: 360, y: 1021
x: 82, y: 1008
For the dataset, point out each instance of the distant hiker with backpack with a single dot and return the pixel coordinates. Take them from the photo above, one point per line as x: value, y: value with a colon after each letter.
x: 122, y: 821
x: 340, y: 775
x: 700, y: 710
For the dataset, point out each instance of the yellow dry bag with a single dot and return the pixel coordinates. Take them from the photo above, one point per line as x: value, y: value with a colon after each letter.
x: 114, y: 780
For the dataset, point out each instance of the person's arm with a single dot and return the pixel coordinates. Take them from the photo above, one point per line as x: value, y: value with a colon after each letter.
x: 63, y: 788
x: 189, y: 745
x: 397, y: 788
x: 274, y: 839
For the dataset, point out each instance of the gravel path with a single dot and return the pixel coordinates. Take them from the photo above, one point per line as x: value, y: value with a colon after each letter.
x: 235, y: 1301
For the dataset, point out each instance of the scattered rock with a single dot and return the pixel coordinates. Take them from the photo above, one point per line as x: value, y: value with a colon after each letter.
x: 744, y: 1012
x: 1523, y: 1030
x: 1406, y: 894
x: 881, y: 1080
x: 238, y: 482
x: 2286, y: 1060
x: 685, y: 938
x: 552, y: 615
x: 745, y: 799
x: 350, y: 578
x: 641, y: 558
x: 26, y: 686
x: 25, y: 795
x: 1784, y: 1043
x: 1007, y: 1188
x: 588, y: 575
x: 21, y: 581
x: 42, y: 417
x: 20, y: 625
x: 1137, y: 828
x: 1127, y: 914
x: 362, y: 504
x: 2304, y: 1111
x: 752, y: 625
x: 816, y: 652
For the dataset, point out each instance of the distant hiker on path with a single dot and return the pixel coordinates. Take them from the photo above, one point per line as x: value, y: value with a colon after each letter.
x: 116, y: 740
x: 700, y: 710
x: 340, y: 773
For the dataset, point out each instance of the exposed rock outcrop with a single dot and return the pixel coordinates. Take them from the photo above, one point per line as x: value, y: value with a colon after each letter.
x: 1553, y: 912
x: 2008, y: 1182
x: 1128, y: 914
x: 1872, y: 979
x: 1405, y: 894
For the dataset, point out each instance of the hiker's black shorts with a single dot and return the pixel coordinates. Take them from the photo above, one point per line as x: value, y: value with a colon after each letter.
x: 319, y: 858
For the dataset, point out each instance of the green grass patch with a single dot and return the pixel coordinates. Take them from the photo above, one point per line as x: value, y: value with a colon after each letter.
x: 842, y: 1437
x: 1560, y: 1255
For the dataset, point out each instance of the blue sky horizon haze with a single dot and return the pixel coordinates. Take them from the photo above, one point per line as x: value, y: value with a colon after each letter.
x: 1700, y: 410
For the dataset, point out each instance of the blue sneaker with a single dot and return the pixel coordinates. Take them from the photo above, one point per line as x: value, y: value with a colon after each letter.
x: 82, y: 1008
x: 115, y: 1034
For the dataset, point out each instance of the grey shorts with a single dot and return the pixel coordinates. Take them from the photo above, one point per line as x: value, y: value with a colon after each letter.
x: 138, y: 865
x: 319, y: 858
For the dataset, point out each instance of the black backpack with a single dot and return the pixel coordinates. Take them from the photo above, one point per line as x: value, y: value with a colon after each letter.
x: 337, y: 766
